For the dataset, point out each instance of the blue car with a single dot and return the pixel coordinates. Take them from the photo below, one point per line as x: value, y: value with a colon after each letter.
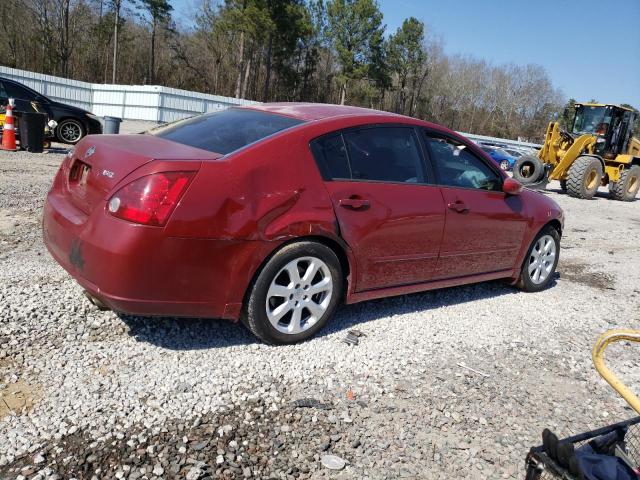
x: 501, y: 157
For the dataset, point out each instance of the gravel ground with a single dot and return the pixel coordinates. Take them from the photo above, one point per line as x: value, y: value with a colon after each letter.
x: 456, y: 383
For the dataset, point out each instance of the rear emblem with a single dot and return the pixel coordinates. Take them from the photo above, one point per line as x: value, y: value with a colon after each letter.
x: 90, y: 151
x: 107, y: 173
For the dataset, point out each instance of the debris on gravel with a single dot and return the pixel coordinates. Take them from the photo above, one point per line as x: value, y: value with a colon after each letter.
x: 454, y: 383
x: 333, y: 462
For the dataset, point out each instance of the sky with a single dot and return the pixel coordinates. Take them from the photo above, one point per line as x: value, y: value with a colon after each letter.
x: 590, y: 48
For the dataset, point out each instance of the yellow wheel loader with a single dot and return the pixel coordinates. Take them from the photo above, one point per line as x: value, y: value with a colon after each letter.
x: 599, y: 150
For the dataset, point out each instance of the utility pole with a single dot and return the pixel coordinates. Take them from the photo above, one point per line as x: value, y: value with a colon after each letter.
x: 116, y: 6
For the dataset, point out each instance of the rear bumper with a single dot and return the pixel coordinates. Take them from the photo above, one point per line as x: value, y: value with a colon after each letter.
x: 138, y: 270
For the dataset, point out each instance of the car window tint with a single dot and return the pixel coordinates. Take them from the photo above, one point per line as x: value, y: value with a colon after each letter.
x: 331, y: 156
x: 389, y: 154
x: 457, y: 166
x: 16, y: 91
x: 225, y: 131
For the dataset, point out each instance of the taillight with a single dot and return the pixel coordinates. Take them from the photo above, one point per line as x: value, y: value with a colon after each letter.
x: 150, y: 200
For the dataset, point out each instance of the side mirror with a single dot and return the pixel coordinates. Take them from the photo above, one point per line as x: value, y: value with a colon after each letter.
x: 511, y: 186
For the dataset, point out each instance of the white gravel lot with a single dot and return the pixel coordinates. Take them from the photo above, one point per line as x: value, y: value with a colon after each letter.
x: 90, y: 394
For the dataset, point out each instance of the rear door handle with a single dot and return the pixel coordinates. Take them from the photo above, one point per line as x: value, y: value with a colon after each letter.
x: 458, y: 206
x: 354, y: 203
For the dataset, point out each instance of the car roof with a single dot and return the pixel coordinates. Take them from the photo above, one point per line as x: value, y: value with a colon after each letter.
x: 317, y: 111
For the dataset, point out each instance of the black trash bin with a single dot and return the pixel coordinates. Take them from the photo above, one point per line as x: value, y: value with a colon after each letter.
x: 31, y: 131
x: 112, y: 125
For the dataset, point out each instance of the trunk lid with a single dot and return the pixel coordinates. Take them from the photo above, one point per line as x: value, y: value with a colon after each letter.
x: 100, y: 162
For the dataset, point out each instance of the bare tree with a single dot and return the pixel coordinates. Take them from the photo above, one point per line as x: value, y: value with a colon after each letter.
x: 280, y: 50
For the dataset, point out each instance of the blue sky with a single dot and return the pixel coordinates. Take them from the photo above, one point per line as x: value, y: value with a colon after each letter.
x: 590, y: 48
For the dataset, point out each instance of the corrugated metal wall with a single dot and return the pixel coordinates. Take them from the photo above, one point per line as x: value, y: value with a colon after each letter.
x: 144, y: 102
x: 131, y: 102
x: 72, y: 92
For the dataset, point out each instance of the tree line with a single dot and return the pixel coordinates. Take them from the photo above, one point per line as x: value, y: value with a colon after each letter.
x: 333, y: 51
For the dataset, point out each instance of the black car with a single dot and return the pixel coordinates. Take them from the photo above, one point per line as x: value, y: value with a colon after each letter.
x: 73, y: 122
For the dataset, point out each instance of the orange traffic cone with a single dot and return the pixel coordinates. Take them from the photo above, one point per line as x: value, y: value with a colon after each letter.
x: 9, y: 130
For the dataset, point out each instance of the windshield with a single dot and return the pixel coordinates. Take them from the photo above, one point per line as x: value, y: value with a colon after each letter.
x: 591, y: 120
x: 225, y: 131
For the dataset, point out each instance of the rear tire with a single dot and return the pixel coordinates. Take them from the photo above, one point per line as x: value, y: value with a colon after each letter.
x: 584, y: 177
x: 627, y: 187
x: 286, y: 302
x: 528, y: 169
x: 539, y: 266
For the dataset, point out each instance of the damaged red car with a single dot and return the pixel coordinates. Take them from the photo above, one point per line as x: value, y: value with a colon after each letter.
x: 274, y: 214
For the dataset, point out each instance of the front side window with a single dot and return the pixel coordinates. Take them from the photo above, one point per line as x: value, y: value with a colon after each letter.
x: 225, y: 131
x: 457, y: 166
x: 386, y: 154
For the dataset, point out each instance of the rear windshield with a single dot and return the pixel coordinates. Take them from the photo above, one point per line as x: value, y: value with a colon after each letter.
x: 225, y: 131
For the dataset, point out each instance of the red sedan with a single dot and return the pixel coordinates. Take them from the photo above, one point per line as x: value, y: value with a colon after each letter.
x: 276, y: 213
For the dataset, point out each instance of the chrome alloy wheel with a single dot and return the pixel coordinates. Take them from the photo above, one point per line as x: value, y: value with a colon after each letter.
x: 299, y: 295
x: 70, y: 131
x: 504, y: 165
x: 542, y: 259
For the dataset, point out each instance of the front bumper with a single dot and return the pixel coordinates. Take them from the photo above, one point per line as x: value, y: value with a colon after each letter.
x: 138, y: 270
x: 94, y: 126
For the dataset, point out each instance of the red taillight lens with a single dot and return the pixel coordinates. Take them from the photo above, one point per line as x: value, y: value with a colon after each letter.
x: 150, y: 200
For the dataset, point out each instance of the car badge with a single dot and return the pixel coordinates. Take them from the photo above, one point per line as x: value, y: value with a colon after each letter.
x: 90, y: 151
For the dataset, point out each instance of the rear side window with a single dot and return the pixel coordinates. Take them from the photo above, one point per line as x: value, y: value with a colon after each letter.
x: 386, y: 154
x: 226, y: 131
x: 15, y: 91
x: 382, y: 154
x: 331, y: 156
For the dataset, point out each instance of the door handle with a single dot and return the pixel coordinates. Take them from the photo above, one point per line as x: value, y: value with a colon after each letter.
x: 354, y: 203
x: 458, y: 206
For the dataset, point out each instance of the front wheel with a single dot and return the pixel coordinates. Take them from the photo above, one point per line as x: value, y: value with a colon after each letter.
x: 541, y: 261
x: 295, y: 293
x: 504, y: 165
x: 70, y: 131
x: 584, y: 177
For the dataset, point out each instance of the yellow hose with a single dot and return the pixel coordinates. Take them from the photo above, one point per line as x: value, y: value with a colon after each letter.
x: 604, y: 340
